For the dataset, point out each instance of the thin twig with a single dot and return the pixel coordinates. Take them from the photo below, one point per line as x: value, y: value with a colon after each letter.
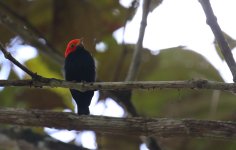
x: 124, y: 97
x: 224, y: 46
x: 135, y: 126
x: 136, y: 59
x: 17, y: 63
x: 135, y: 62
x: 22, y: 27
x: 131, y: 85
x: 120, y: 62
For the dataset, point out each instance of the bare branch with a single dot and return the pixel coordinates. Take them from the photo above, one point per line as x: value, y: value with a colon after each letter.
x: 161, y: 127
x: 17, y: 63
x: 224, y: 46
x: 142, y: 85
x: 135, y: 63
x: 19, y: 25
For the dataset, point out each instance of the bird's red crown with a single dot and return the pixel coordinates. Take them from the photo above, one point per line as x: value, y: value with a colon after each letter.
x: 71, y: 46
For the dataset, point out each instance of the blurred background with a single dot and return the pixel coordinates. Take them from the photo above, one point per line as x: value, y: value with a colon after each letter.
x: 178, y: 45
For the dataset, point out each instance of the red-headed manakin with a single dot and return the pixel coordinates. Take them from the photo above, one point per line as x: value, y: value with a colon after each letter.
x: 79, y: 67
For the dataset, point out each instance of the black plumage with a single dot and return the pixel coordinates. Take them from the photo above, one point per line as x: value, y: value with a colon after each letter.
x: 80, y: 67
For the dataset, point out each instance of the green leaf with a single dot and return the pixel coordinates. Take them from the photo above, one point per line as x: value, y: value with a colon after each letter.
x: 231, y: 42
x: 173, y: 64
x: 43, y: 67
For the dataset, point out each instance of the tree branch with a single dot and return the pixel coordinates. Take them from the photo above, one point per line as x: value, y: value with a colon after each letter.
x: 135, y: 65
x: 136, y: 60
x: 17, y: 63
x: 19, y: 25
x: 224, y: 46
x: 161, y: 127
x: 120, y: 62
x: 141, y: 85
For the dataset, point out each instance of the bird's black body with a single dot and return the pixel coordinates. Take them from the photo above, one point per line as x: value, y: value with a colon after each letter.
x: 79, y: 67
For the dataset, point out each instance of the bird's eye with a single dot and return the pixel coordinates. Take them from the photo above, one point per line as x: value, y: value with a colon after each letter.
x: 72, y: 45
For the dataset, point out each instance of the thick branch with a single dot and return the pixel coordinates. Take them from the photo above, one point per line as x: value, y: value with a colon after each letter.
x: 189, y: 84
x: 212, y: 22
x: 161, y: 127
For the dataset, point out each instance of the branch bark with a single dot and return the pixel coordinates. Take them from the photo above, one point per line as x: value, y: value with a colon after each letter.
x: 224, y: 46
x: 17, y: 63
x: 161, y: 127
x: 136, y: 59
x: 141, y: 85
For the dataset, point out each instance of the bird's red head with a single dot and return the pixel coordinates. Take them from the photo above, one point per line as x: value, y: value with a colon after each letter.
x: 72, y: 45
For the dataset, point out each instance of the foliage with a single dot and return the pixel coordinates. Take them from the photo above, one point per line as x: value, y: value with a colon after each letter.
x: 59, y: 21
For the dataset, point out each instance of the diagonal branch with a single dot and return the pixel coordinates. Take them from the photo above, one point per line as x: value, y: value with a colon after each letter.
x: 136, y: 126
x: 33, y: 75
x: 135, y: 65
x: 19, y: 25
x: 212, y: 22
x: 17, y: 63
x: 119, y: 64
x: 136, y: 59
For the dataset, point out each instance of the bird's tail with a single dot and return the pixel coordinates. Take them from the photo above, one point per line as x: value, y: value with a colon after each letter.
x: 83, y: 111
x: 83, y: 100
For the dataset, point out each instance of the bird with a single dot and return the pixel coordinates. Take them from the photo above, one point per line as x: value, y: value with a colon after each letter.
x: 79, y: 66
